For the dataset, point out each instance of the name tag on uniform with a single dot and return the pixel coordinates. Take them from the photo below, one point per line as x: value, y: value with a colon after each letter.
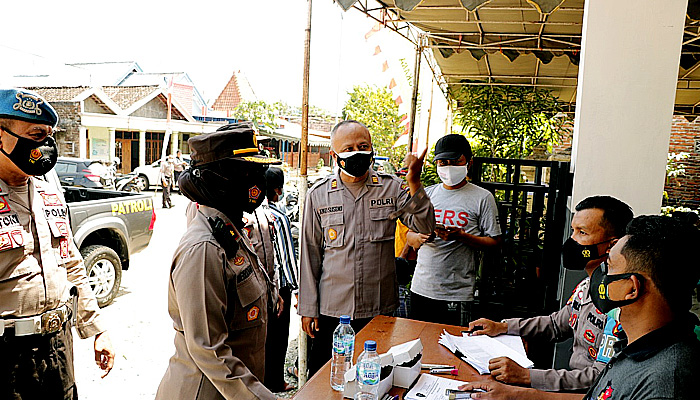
x: 9, y: 221
x: 330, y: 210
x: 389, y: 201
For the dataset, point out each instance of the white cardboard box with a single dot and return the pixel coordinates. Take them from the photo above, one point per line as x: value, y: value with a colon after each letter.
x: 402, y: 353
x: 384, y: 384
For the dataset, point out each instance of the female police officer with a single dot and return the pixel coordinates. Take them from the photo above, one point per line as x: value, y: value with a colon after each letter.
x: 218, y: 293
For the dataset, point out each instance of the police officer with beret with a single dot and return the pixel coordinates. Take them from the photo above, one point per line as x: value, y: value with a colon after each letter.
x: 219, y: 295
x: 43, y: 284
x: 347, y: 240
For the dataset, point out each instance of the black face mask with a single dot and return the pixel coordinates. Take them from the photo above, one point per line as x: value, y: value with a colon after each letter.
x: 210, y: 185
x: 32, y: 157
x: 598, y: 289
x: 575, y: 256
x: 355, y: 163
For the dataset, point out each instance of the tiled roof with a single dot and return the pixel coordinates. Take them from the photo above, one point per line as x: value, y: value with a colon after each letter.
x: 59, y: 93
x: 230, y: 97
x: 126, y: 96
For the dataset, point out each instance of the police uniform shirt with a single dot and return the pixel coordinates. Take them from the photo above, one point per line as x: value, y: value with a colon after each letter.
x: 347, y: 245
x: 663, y: 364
x: 593, y: 332
x: 39, y: 261
x: 219, y: 310
x: 260, y: 229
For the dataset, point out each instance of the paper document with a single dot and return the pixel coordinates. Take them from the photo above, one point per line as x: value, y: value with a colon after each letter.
x: 478, y: 350
x: 431, y: 387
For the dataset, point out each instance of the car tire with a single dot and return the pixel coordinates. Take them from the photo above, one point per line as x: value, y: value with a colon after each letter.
x: 104, y: 272
x: 142, y: 182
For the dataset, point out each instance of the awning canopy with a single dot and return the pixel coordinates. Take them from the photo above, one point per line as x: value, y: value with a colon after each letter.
x: 292, y: 132
x: 532, y: 43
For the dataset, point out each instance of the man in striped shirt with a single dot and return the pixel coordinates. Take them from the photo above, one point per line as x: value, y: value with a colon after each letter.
x: 286, y: 262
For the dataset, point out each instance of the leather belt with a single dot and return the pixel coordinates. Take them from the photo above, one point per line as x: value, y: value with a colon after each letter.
x: 43, y: 324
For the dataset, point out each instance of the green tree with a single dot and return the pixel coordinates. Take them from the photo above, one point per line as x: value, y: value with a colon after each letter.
x: 375, y: 107
x: 263, y: 114
x: 509, y: 121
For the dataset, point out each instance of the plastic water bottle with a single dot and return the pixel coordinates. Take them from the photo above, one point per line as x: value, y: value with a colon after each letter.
x: 368, y: 373
x: 343, y: 351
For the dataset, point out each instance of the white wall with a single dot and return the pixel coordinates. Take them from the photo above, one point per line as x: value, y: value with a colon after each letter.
x: 624, y: 105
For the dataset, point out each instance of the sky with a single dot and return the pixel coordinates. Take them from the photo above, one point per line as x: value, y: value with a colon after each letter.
x: 210, y: 40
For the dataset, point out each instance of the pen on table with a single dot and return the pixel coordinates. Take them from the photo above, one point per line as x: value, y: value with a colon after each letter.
x: 474, y: 329
x: 432, y: 366
x: 453, y: 371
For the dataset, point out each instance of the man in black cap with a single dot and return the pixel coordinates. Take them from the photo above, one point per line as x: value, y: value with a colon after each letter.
x: 41, y: 269
x: 466, y: 220
x: 219, y: 293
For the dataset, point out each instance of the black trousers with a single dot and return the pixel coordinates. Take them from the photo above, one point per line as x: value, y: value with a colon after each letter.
x: 440, y: 311
x: 321, y: 346
x: 38, y: 367
x: 276, y: 344
x: 166, y: 193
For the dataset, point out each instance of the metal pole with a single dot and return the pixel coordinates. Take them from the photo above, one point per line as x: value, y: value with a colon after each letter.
x: 414, y: 99
x: 303, y: 184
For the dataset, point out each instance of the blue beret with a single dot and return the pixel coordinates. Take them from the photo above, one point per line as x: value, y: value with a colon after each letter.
x: 27, y: 106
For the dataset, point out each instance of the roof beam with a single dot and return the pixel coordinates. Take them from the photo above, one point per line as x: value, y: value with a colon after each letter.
x: 510, y: 84
x: 485, y: 8
x: 463, y: 76
x: 448, y: 21
x: 516, y: 48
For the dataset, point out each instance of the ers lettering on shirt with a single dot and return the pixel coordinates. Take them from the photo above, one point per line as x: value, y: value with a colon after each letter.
x: 451, y: 218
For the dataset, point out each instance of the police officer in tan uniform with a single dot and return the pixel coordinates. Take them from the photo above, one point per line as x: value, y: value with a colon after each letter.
x: 41, y: 270
x: 219, y: 293
x: 598, y: 223
x: 347, y: 240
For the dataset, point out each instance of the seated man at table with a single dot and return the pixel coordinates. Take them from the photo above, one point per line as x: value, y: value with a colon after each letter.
x: 598, y: 222
x: 649, y: 279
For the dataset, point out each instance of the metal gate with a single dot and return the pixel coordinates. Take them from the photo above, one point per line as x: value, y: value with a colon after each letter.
x: 521, y: 278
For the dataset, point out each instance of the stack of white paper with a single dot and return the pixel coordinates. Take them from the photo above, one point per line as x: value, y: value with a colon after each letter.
x: 431, y: 387
x: 478, y: 350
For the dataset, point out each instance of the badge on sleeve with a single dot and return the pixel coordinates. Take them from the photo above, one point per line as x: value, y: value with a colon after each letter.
x: 375, y: 179
x: 5, y: 241
x: 238, y: 261
x: 589, y: 336
x: 17, y: 237
x: 63, y: 245
x: 4, y: 205
x: 593, y: 352
x: 253, y: 313
x: 606, y: 393
x: 51, y: 199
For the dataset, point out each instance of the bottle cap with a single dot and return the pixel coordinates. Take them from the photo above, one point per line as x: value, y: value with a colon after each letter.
x: 344, y: 319
x: 370, y: 345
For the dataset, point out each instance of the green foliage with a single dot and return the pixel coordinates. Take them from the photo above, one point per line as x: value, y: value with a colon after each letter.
x: 375, y: 107
x: 260, y: 113
x: 263, y: 114
x: 509, y: 121
x: 429, y: 176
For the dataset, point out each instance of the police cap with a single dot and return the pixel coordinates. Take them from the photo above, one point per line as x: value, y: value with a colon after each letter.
x: 27, y: 106
x: 232, y: 141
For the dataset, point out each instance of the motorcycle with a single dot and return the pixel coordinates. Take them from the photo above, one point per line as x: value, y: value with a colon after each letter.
x: 127, y: 183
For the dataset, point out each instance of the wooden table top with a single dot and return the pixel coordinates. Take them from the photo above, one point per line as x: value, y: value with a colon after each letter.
x: 387, y: 332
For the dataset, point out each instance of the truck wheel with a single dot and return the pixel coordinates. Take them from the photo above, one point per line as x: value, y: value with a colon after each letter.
x: 104, y: 271
x: 142, y: 182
